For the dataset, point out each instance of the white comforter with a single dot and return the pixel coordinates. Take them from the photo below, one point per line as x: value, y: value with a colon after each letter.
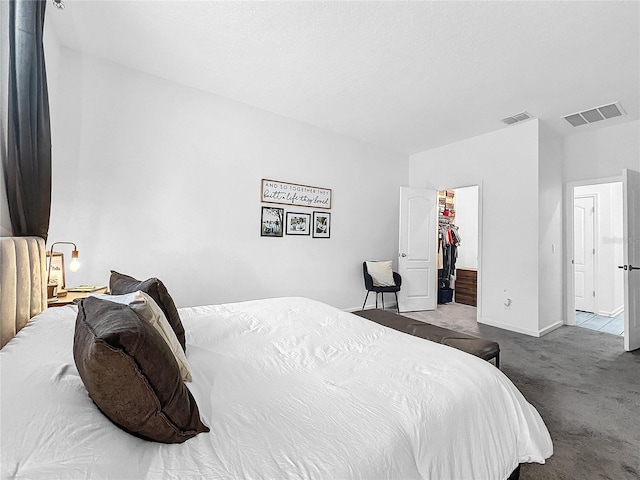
x: 291, y: 388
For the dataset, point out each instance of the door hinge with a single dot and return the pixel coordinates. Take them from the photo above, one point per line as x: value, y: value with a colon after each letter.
x: 594, y: 293
x: 594, y: 251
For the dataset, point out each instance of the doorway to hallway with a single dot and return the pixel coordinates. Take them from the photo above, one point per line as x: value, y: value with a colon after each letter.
x: 597, y: 252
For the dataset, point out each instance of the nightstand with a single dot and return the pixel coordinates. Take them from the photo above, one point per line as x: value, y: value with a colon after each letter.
x: 70, y: 297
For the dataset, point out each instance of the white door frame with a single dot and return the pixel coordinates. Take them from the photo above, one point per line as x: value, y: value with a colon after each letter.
x: 570, y: 290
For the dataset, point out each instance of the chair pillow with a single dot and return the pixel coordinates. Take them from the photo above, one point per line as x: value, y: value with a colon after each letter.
x: 120, y: 284
x: 131, y: 374
x: 381, y: 273
x: 148, y: 310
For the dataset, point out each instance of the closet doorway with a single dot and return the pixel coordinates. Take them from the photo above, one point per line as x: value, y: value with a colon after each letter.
x: 458, y: 274
x: 597, y: 252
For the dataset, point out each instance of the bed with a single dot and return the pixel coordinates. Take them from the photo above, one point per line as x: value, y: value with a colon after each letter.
x: 289, y: 387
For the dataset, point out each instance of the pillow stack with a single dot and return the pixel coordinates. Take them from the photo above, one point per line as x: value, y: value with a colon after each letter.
x: 132, y: 362
x: 148, y: 310
x: 120, y: 284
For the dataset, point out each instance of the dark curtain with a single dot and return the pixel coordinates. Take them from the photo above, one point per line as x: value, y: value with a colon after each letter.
x: 27, y: 166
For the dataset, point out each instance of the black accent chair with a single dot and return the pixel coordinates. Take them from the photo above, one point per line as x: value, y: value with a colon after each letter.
x: 368, y: 284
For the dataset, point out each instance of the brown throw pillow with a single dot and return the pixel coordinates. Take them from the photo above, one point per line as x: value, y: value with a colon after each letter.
x: 131, y: 373
x: 120, y: 284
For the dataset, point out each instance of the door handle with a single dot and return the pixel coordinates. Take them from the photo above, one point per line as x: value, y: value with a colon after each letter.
x: 631, y: 267
x: 403, y: 255
x: 624, y: 267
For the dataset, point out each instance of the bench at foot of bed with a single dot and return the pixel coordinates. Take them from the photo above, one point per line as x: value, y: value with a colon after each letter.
x: 485, y: 349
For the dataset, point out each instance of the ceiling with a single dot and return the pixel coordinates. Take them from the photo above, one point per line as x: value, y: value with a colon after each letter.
x: 409, y: 76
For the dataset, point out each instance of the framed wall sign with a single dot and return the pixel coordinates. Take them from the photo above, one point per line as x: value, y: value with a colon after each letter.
x: 56, y: 268
x: 321, y: 225
x: 273, y: 191
x: 272, y: 222
x: 298, y: 223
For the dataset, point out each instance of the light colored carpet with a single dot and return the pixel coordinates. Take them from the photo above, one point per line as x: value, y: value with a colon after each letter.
x: 586, y: 388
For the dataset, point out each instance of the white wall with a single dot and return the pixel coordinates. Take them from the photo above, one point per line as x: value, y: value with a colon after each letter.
x: 505, y: 164
x: 550, y: 233
x: 466, y: 205
x: 152, y: 178
x: 602, y: 153
x: 608, y: 244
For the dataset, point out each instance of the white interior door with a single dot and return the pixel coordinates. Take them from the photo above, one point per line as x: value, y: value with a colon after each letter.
x: 584, y: 253
x: 417, y: 255
x: 631, y: 258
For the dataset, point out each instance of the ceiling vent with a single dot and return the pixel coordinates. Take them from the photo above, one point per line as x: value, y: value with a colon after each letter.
x: 596, y: 114
x: 520, y: 117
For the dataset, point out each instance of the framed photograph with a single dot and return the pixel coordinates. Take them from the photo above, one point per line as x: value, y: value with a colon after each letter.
x: 272, y: 223
x: 321, y: 225
x: 55, y: 267
x: 298, y: 223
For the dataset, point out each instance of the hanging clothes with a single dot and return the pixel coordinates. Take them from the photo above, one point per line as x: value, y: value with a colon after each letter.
x: 448, y: 241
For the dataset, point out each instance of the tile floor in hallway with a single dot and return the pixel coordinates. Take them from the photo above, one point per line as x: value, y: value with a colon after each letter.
x: 613, y: 325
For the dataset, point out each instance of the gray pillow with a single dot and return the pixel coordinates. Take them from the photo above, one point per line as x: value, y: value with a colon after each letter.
x: 120, y: 284
x: 131, y: 373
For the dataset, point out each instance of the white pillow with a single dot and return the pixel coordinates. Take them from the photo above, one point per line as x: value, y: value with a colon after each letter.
x: 382, y: 273
x: 148, y: 310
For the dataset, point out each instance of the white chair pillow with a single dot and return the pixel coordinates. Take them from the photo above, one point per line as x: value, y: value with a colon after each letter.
x: 148, y: 310
x: 382, y: 273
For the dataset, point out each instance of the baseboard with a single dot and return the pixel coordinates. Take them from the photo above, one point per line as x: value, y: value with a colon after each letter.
x: 511, y: 328
x: 516, y: 329
x: 616, y: 312
x: 551, y: 328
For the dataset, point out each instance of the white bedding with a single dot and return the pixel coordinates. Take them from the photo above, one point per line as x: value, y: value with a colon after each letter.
x: 291, y: 389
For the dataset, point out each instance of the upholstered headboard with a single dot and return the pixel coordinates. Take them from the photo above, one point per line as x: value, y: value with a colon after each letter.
x: 23, y: 290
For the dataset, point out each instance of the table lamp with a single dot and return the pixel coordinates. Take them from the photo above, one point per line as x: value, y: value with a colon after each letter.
x: 54, y: 290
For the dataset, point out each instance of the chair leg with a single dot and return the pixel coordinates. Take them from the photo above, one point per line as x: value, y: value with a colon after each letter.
x: 376, y: 300
x: 397, y: 304
x: 382, y: 293
x: 365, y: 300
x: 498, y: 360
